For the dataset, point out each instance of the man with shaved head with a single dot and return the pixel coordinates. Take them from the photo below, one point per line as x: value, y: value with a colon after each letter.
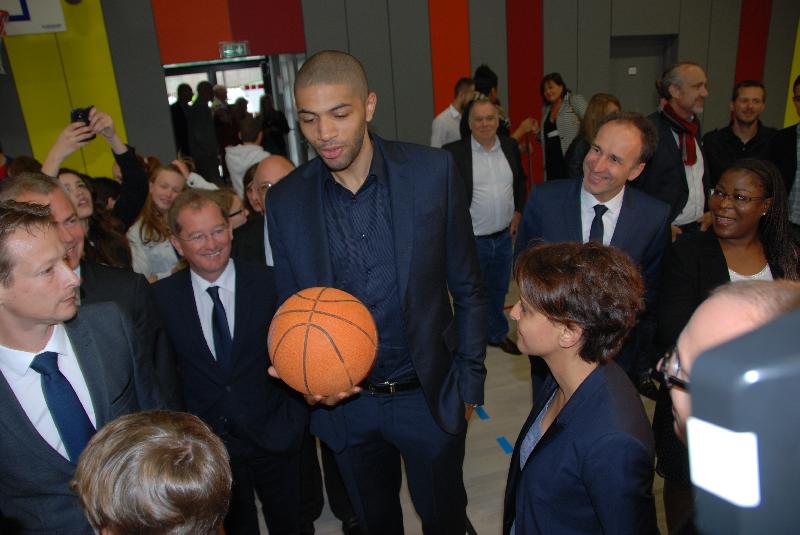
x: 251, y: 240
x: 389, y: 223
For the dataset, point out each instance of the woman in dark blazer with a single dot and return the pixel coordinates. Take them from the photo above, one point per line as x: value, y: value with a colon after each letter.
x: 583, y: 463
x: 750, y: 239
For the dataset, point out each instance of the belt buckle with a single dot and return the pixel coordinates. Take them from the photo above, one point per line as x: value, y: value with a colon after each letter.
x: 391, y: 386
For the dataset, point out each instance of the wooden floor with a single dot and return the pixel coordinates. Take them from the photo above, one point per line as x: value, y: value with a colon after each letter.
x: 492, y: 431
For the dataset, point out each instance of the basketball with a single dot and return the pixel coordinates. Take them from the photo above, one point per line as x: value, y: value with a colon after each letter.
x: 322, y: 341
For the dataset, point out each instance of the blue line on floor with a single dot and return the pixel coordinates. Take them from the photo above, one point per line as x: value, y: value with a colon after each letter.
x: 481, y: 412
x: 506, y: 445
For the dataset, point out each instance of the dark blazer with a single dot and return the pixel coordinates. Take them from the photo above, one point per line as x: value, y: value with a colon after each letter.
x: 132, y: 293
x: 592, y: 471
x: 693, y: 267
x: 248, y: 241
x: 248, y: 409
x: 783, y: 153
x: 462, y: 154
x: 435, y: 255
x: 664, y: 176
x: 34, y: 478
x: 553, y: 214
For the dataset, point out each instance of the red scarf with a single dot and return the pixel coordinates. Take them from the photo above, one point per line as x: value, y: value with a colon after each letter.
x: 687, y: 132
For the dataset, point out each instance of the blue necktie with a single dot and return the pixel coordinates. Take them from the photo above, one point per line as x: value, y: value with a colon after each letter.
x: 220, y: 330
x: 68, y: 414
x: 596, y: 230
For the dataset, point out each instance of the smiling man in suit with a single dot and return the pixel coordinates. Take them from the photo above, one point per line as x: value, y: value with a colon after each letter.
x: 216, y: 314
x: 600, y: 207
x: 495, y: 184
x: 63, y: 375
x: 387, y: 222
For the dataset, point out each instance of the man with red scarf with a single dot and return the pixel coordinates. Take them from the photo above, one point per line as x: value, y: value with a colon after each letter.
x: 677, y: 173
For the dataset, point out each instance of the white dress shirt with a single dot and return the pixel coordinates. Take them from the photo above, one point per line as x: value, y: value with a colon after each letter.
x: 267, y: 247
x: 205, y: 305
x: 492, y: 205
x: 26, y: 384
x: 445, y: 127
x: 610, y: 218
x: 693, y: 209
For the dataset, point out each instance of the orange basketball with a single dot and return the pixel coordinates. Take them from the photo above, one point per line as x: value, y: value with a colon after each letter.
x: 322, y: 341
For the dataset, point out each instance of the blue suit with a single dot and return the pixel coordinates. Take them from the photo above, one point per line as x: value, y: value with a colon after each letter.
x: 592, y: 470
x: 553, y: 214
x: 434, y: 251
x: 261, y: 422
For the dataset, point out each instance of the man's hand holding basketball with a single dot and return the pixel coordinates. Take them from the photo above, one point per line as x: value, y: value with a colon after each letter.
x: 330, y: 401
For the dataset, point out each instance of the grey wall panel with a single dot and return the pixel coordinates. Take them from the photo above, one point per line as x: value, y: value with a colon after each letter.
x: 695, y: 18
x: 411, y: 66
x: 594, y: 47
x: 325, y: 25
x: 778, y: 64
x: 13, y: 132
x: 488, y: 41
x: 720, y: 67
x: 368, y: 35
x: 134, y: 50
x: 560, y: 41
x: 644, y: 17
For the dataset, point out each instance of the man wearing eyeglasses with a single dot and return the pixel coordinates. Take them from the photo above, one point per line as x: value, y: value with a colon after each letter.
x: 216, y: 315
x: 785, y: 153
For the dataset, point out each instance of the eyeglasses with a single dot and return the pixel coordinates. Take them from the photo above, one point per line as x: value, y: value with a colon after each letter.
x: 200, y: 237
x: 670, y: 367
x: 234, y: 214
x: 737, y: 198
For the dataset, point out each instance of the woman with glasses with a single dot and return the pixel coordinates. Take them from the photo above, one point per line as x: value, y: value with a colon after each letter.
x: 750, y: 239
x: 583, y: 462
x: 153, y: 254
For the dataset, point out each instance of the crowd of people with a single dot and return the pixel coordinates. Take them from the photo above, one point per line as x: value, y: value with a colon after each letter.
x: 128, y: 301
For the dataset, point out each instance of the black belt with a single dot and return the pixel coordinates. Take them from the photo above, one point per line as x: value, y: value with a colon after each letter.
x: 392, y: 387
x: 493, y: 234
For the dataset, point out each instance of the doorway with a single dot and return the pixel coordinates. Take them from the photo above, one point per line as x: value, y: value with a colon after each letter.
x: 636, y: 64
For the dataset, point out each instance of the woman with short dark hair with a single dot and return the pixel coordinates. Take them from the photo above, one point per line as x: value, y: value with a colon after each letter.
x: 583, y: 462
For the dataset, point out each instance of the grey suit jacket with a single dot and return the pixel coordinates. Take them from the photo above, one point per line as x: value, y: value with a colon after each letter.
x: 35, y: 496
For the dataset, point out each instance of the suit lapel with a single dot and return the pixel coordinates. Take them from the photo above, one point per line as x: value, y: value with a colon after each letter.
x: 90, y: 360
x: 15, y: 422
x: 242, y: 311
x: 625, y: 222
x: 187, y: 309
x: 314, y: 263
x: 572, y: 213
x: 401, y: 187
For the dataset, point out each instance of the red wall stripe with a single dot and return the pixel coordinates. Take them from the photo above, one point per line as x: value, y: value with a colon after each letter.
x: 191, y: 31
x: 270, y: 26
x: 525, y: 70
x: 450, y: 56
x: 753, y: 29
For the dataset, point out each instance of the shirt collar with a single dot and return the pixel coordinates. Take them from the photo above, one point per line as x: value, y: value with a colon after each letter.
x: 226, y: 280
x: 614, y: 204
x: 477, y: 146
x: 377, y: 170
x: 19, y: 362
x: 453, y: 112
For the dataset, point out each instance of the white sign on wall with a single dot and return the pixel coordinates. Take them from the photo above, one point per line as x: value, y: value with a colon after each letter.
x: 33, y: 16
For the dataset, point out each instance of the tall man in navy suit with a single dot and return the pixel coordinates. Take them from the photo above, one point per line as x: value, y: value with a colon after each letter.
x: 62, y: 375
x: 216, y: 314
x: 599, y: 207
x: 387, y: 222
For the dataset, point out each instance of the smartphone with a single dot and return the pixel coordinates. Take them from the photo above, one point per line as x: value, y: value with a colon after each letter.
x: 82, y: 115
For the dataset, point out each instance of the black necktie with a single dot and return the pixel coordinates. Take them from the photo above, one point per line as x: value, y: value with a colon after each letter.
x: 596, y: 230
x: 70, y: 418
x: 220, y: 330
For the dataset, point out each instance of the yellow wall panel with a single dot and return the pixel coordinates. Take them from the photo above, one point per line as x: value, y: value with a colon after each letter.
x: 56, y: 72
x: 791, y: 116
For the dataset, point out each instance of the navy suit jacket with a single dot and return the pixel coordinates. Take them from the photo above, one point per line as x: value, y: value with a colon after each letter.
x: 248, y: 241
x: 133, y: 294
x: 35, y: 496
x: 435, y: 256
x: 248, y: 409
x: 783, y: 153
x: 592, y: 470
x: 462, y: 154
